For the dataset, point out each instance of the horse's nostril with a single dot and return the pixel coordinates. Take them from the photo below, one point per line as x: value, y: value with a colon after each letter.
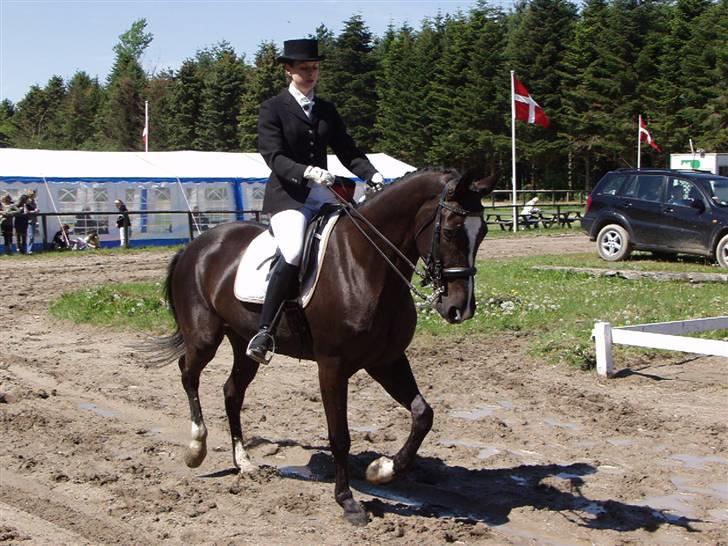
x: 453, y: 314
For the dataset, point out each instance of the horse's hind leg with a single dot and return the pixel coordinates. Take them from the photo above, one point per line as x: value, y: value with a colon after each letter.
x: 191, y: 365
x: 398, y: 381
x: 244, y: 370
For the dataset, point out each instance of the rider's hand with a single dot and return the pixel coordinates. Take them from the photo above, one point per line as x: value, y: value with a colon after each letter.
x: 376, y: 183
x: 319, y: 175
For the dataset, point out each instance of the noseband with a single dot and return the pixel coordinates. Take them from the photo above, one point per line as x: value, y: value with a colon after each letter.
x: 435, y: 273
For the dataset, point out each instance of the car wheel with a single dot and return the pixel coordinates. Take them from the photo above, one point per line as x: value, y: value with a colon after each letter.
x: 721, y: 251
x: 613, y: 243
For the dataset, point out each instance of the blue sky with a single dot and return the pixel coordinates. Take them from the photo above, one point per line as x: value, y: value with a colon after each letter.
x: 41, y: 38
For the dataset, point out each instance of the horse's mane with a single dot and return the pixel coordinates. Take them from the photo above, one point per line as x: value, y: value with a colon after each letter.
x: 447, y: 174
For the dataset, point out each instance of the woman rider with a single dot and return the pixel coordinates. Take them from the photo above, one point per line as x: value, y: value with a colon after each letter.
x: 294, y: 130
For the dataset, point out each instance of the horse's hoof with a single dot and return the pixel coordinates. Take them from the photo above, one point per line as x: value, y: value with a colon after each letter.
x: 380, y: 471
x: 195, y: 454
x: 355, y: 513
x: 246, y: 467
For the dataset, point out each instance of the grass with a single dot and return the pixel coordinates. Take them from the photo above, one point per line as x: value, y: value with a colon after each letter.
x: 136, y: 306
x: 556, y: 309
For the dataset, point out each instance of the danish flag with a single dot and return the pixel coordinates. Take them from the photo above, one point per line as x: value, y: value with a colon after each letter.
x: 645, y: 135
x: 527, y: 109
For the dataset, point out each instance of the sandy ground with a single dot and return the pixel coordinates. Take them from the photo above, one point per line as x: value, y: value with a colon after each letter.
x: 521, y: 452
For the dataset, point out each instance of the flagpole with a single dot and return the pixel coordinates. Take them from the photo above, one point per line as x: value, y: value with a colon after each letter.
x: 513, y: 153
x: 639, y: 139
x: 146, y: 125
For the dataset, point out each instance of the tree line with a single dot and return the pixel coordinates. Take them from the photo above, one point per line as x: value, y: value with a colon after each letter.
x: 434, y: 95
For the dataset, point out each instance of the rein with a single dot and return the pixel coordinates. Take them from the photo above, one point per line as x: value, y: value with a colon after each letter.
x: 433, y: 272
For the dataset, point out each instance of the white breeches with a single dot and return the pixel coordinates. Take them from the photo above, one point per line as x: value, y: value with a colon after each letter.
x: 289, y: 226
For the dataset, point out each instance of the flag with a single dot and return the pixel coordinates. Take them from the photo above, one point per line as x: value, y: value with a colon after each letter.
x: 527, y: 109
x: 645, y: 135
x: 145, y: 134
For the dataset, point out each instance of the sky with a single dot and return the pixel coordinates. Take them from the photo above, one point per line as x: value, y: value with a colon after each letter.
x: 39, y: 39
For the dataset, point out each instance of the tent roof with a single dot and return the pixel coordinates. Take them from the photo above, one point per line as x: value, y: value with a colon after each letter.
x: 54, y: 164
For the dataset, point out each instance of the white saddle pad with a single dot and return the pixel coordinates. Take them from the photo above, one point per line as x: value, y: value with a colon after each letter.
x: 251, y: 279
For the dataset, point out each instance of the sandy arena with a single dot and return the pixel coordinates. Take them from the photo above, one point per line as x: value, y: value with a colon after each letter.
x: 521, y: 452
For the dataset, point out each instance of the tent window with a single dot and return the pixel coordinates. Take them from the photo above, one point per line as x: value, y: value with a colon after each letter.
x: 101, y: 195
x: 67, y: 195
x: 160, y: 194
x: 216, y: 194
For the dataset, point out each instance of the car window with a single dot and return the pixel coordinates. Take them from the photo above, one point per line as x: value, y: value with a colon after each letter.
x: 611, y: 184
x: 647, y: 187
x: 682, y: 192
x: 718, y: 190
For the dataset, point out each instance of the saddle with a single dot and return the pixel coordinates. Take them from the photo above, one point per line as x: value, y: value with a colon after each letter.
x: 251, y: 279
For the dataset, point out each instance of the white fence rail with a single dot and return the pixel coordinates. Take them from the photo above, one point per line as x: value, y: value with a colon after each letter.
x: 658, y: 335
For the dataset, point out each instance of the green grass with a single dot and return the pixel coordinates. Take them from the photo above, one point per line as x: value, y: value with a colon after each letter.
x: 555, y: 309
x: 134, y: 306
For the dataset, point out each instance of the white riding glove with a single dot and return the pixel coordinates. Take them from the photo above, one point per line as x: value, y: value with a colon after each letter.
x: 319, y: 175
x: 376, y: 183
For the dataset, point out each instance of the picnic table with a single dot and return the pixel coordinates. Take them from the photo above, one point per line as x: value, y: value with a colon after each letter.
x: 534, y: 221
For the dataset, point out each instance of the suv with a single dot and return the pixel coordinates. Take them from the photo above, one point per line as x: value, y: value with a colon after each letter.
x: 661, y: 210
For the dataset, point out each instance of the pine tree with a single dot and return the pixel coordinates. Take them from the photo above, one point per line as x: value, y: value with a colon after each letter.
x: 121, y: 119
x: 79, y: 110
x: 399, y: 112
x: 537, y: 46
x: 158, y: 94
x: 586, y: 113
x: 7, y: 129
x: 267, y: 79
x: 37, y: 118
x: 184, y: 106
x: 350, y: 81
x: 223, y: 80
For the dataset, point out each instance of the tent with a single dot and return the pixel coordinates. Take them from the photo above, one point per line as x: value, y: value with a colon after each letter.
x: 83, y: 185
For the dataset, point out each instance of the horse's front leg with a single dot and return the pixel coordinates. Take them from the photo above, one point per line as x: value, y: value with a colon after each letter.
x: 398, y: 381
x: 333, y: 382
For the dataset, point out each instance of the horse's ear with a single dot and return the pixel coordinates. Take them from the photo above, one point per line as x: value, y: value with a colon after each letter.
x: 472, y: 180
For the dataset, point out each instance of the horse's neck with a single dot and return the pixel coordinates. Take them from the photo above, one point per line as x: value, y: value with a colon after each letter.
x: 394, y: 213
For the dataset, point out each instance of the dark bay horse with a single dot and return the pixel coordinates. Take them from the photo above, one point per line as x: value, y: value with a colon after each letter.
x: 362, y: 315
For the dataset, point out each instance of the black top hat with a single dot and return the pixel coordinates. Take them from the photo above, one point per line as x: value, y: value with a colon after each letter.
x: 300, y: 50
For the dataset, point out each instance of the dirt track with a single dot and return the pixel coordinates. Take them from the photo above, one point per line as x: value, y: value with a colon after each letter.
x: 520, y: 452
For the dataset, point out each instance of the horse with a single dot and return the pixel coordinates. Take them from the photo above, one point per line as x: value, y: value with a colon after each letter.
x: 361, y: 316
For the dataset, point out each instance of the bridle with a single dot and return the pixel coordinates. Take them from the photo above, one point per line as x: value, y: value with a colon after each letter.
x: 434, y: 273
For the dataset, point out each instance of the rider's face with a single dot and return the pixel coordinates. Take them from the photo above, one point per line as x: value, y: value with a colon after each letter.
x: 304, y: 74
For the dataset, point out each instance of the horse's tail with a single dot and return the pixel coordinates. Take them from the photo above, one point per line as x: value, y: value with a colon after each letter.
x: 166, y: 349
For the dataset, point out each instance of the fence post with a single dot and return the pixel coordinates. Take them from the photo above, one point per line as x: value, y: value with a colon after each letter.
x: 602, y: 334
x: 191, y: 225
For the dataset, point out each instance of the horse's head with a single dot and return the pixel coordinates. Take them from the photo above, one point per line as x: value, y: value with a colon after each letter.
x: 455, y: 234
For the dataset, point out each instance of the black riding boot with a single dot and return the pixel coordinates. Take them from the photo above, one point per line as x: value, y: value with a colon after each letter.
x: 282, y: 279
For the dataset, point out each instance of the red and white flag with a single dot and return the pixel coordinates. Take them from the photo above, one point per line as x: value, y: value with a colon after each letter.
x: 527, y: 109
x: 645, y: 135
x: 145, y: 135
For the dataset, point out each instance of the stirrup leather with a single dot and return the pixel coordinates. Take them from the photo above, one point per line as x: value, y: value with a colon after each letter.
x: 262, y: 347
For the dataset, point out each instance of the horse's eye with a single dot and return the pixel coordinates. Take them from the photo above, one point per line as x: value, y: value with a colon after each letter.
x: 451, y: 232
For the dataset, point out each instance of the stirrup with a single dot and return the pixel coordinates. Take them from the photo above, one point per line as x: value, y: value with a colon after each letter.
x: 259, y: 352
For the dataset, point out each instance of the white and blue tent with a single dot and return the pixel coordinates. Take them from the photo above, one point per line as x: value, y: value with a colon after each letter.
x: 79, y: 184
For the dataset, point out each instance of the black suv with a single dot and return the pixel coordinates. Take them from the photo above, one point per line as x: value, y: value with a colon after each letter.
x: 661, y: 210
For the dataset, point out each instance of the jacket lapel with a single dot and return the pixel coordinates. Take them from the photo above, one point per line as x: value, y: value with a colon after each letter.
x: 295, y: 108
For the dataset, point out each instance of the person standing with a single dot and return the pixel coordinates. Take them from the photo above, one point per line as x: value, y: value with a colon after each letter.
x: 31, y: 209
x: 8, y: 210
x: 21, y: 225
x: 123, y: 223
x: 295, y: 128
